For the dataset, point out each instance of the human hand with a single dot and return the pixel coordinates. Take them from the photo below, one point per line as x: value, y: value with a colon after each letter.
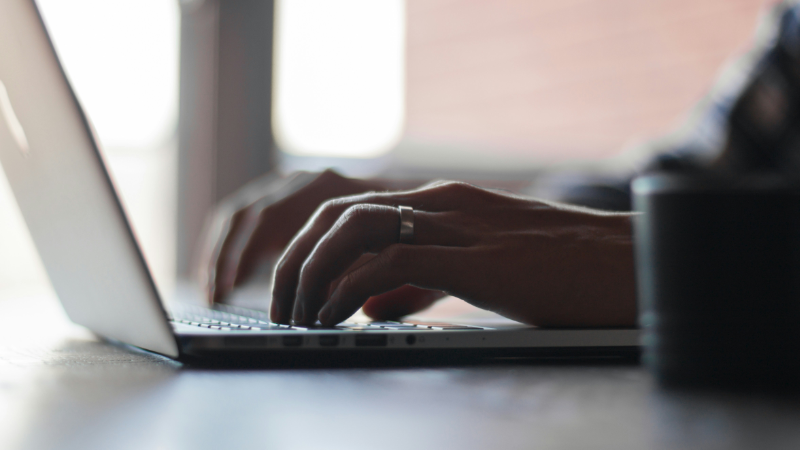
x: 531, y: 261
x: 256, y: 224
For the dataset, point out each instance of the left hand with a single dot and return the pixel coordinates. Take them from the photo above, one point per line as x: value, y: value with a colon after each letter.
x: 255, y: 225
x: 531, y: 261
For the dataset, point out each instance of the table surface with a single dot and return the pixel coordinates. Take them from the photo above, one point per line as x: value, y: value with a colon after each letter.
x: 61, y: 387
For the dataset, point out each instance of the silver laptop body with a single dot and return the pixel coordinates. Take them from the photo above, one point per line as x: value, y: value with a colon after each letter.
x: 57, y: 174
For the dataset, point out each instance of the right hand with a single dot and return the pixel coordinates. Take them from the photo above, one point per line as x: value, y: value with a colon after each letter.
x: 533, y: 261
x: 254, y: 226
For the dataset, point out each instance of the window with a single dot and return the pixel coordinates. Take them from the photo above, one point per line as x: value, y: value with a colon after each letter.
x: 494, y: 86
x: 339, y: 76
x: 122, y: 59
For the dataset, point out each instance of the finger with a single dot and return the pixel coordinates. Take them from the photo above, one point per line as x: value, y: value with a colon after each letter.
x: 280, y: 221
x: 362, y: 229
x: 241, y: 227
x: 225, y: 225
x: 400, y: 302
x: 244, y: 245
x: 441, y: 197
x: 260, y: 243
x: 215, y: 261
x: 254, y: 253
x: 257, y: 236
x: 212, y: 235
x: 427, y: 267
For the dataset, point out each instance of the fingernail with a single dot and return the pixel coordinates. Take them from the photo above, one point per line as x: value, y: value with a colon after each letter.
x: 299, y: 313
x: 274, y: 311
x: 216, y: 295
x: 325, y: 313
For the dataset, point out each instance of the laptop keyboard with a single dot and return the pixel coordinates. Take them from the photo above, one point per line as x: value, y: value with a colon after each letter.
x: 232, y: 318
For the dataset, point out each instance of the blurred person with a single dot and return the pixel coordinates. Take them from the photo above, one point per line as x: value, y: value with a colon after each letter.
x: 335, y: 241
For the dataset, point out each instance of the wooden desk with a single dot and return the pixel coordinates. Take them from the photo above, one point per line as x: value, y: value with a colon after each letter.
x: 61, y: 388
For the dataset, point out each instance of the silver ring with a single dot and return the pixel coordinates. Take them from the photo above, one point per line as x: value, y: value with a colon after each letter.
x: 406, y: 235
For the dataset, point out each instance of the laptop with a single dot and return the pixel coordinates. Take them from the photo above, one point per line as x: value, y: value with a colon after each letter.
x: 67, y: 198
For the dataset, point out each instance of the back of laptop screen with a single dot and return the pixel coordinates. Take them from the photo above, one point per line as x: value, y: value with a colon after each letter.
x: 65, y: 195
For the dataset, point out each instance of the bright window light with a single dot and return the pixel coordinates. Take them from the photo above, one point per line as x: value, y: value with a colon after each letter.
x: 122, y: 59
x: 339, y: 76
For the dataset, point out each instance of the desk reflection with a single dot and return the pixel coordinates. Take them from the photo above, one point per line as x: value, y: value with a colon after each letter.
x: 62, y: 388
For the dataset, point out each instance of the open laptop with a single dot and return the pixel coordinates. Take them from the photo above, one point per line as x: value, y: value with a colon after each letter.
x: 62, y: 187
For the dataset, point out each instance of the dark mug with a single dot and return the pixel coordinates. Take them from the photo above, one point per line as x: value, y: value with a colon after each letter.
x: 717, y: 263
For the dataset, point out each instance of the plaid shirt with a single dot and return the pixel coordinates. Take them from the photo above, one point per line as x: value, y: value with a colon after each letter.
x: 750, y: 121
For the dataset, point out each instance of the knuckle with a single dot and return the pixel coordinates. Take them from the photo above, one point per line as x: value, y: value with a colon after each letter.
x: 437, y: 184
x: 233, y: 218
x: 354, y: 215
x: 455, y: 188
x: 329, y: 209
x: 458, y: 186
x: 264, y: 215
x: 459, y: 194
x: 226, y: 210
x: 356, y: 211
x: 244, y: 217
x: 329, y: 175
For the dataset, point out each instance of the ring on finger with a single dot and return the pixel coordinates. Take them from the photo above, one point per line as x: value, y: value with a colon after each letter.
x: 406, y: 234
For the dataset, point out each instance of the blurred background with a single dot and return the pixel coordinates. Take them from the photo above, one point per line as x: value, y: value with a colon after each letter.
x: 191, y: 99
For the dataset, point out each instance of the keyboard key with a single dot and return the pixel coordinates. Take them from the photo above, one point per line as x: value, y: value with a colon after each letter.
x: 456, y: 327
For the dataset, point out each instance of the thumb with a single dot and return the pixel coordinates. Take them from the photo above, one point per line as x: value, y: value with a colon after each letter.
x: 400, y: 302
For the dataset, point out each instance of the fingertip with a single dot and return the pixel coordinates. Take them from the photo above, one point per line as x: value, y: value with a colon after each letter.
x: 298, y: 314
x: 333, y: 310
x: 242, y: 275
x: 281, y: 307
x: 209, y: 298
x: 276, y: 315
x: 274, y: 310
x: 326, y: 314
x: 216, y: 296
